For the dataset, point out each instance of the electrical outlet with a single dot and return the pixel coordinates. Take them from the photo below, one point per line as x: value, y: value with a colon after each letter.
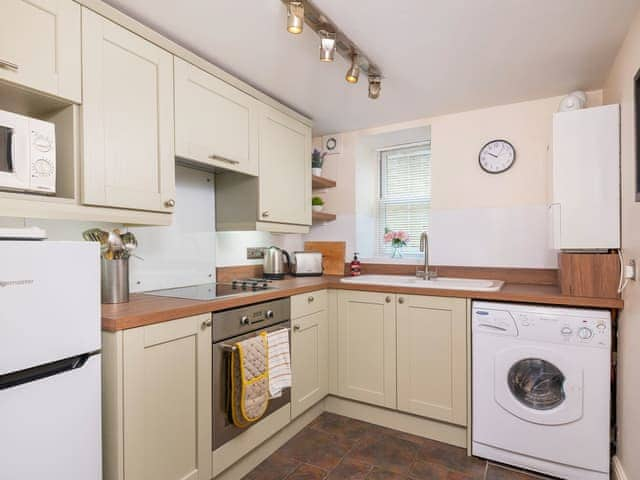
x: 254, y: 253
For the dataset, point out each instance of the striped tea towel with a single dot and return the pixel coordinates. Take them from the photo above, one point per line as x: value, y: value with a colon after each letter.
x: 279, y: 362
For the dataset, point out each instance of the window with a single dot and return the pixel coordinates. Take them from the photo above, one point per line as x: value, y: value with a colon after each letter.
x: 404, y: 199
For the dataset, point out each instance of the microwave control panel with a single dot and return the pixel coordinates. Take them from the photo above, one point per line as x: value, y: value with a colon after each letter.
x: 43, y: 156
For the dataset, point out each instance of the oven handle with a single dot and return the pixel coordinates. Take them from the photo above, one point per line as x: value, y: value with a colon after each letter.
x: 232, y: 348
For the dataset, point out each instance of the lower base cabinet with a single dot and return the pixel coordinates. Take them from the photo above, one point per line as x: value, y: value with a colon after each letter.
x: 157, y: 401
x: 432, y: 357
x: 309, y: 351
x: 405, y: 352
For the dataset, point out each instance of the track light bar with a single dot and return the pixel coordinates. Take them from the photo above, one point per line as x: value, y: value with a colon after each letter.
x: 321, y: 24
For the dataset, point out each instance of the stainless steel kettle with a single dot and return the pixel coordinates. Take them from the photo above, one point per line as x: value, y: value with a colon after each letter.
x: 276, y: 263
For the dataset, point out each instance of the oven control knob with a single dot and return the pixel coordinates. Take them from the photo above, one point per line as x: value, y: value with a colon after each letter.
x: 269, y: 314
x: 244, y: 320
x: 566, y: 331
x: 585, y: 333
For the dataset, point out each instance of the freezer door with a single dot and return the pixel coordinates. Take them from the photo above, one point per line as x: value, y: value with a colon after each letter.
x: 49, y: 302
x: 51, y: 427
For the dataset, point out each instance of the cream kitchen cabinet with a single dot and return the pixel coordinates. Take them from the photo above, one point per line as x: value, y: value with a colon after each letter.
x: 285, y: 169
x: 128, y: 136
x: 432, y: 357
x: 309, y: 350
x: 367, y: 347
x: 157, y: 401
x: 40, y: 46
x: 216, y: 124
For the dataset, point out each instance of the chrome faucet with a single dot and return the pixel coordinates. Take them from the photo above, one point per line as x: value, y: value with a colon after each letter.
x: 424, y: 247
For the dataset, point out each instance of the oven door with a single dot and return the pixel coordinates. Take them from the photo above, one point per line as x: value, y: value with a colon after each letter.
x: 223, y: 428
x: 14, y: 151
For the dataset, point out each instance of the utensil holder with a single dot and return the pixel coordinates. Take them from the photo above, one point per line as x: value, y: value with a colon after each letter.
x: 115, y: 280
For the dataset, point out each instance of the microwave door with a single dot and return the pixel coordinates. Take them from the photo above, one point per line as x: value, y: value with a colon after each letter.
x: 6, y: 149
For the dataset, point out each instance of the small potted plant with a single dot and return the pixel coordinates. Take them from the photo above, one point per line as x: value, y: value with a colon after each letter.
x: 317, y: 204
x: 317, y: 160
x: 397, y: 239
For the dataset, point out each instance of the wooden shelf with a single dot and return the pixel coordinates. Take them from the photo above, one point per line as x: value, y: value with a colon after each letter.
x: 321, y: 182
x: 322, y: 216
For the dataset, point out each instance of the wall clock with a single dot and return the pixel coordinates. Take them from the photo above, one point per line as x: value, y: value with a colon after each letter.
x: 332, y: 143
x: 497, y: 156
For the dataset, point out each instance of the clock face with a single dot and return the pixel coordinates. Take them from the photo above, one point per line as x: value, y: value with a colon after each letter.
x: 331, y: 144
x: 497, y: 156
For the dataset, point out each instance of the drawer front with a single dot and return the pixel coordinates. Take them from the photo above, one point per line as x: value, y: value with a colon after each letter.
x: 308, y: 303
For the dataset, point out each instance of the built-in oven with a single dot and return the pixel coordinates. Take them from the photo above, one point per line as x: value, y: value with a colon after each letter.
x: 229, y: 327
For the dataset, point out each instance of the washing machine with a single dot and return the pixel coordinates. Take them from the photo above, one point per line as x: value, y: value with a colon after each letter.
x: 542, y: 388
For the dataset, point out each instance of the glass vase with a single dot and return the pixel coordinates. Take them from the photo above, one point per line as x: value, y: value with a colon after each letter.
x: 397, y: 251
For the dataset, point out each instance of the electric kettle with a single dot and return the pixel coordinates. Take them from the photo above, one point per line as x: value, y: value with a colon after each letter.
x: 276, y: 263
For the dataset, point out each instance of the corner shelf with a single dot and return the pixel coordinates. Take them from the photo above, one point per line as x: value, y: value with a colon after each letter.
x: 322, y: 217
x: 322, y: 182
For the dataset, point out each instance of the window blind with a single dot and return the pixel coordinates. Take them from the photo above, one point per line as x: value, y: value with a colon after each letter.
x: 404, y: 200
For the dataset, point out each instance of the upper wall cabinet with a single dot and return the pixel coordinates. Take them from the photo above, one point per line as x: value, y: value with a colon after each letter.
x: 216, y: 124
x: 285, y: 169
x: 40, y: 46
x: 128, y: 149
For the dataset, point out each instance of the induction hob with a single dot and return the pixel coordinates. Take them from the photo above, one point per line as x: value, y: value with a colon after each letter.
x: 212, y: 291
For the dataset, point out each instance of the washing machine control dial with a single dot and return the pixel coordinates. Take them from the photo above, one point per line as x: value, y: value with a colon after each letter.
x: 585, y: 333
x: 566, y: 331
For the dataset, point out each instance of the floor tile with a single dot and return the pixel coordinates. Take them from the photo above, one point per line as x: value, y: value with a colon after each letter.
x: 386, y: 452
x: 453, y: 458
x: 349, y: 429
x: 307, y: 472
x: 275, y: 467
x: 381, y: 474
x: 316, y: 448
x: 349, y: 469
x: 497, y: 472
x: 428, y: 471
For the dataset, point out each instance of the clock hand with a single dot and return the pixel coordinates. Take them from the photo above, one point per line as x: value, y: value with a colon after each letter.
x: 494, y: 156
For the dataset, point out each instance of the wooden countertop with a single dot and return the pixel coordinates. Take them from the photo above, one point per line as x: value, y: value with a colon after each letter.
x: 145, y: 309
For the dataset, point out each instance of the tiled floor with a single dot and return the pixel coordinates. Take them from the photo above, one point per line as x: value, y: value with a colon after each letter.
x: 334, y: 447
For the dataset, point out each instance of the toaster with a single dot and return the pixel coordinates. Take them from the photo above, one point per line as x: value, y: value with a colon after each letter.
x: 306, y: 264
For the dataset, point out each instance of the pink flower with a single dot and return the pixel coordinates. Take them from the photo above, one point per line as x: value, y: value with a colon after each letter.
x: 402, y: 235
x: 388, y: 237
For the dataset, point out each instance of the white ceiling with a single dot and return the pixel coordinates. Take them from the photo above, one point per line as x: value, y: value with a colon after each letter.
x: 437, y: 56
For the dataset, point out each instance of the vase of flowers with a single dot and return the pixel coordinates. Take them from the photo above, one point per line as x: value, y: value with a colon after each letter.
x: 397, y: 239
x: 317, y: 160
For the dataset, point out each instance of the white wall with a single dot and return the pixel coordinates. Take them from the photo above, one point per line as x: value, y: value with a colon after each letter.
x: 477, y: 218
x: 619, y: 89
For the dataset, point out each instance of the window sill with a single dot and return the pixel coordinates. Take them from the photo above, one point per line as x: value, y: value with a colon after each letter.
x: 400, y: 261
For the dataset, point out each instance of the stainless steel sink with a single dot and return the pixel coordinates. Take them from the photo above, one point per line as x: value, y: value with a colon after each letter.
x: 444, y: 283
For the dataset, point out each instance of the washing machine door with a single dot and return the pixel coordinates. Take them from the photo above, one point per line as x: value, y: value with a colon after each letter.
x: 538, y: 385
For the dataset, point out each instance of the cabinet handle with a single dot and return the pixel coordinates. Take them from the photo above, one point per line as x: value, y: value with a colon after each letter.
x: 9, y: 65
x: 310, y: 298
x: 388, y: 299
x: 265, y: 213
x: 206, y: 324
x: 170, y: 203
x: 224, y: 159
x: 401, y: 300
x: 296, y: 328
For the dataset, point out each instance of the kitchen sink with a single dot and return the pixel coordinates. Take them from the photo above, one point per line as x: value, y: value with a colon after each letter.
x: 443, y: 283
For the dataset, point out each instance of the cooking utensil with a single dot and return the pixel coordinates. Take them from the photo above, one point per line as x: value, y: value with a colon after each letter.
x: 97, y: 235
x: 116, y: 246
x: 129, y: 241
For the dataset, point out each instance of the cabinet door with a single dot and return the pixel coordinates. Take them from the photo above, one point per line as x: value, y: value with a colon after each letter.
x: 367, y: 347
x: 40, y: 46
x: 285, y: 169
x: 167, y: 400
x: 128, y: 156
x: 309, y: 361
x: 216, y: 124
x: 432, y: 358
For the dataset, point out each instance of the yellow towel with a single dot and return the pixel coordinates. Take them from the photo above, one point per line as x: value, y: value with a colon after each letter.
x: 249, y: 380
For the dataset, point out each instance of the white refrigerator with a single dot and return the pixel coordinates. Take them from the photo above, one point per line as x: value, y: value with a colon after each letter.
x: 50, y: 412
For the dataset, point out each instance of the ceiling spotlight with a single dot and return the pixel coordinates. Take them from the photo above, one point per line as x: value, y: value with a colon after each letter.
x: 295, y: 16
x: 375, y: 85
x: 354, y: 70
x: 327, y: 46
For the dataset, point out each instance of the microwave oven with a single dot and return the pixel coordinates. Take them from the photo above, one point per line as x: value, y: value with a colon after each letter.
x: 27, y: 154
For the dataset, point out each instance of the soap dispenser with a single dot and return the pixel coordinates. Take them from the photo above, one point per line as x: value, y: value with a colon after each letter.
x: 355, y: 265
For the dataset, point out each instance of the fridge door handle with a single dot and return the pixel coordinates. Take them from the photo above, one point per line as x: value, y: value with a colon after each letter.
x: 29, y: 375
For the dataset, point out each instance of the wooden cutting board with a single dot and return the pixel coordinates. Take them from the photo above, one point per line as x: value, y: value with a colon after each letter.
x: 332, y: 255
